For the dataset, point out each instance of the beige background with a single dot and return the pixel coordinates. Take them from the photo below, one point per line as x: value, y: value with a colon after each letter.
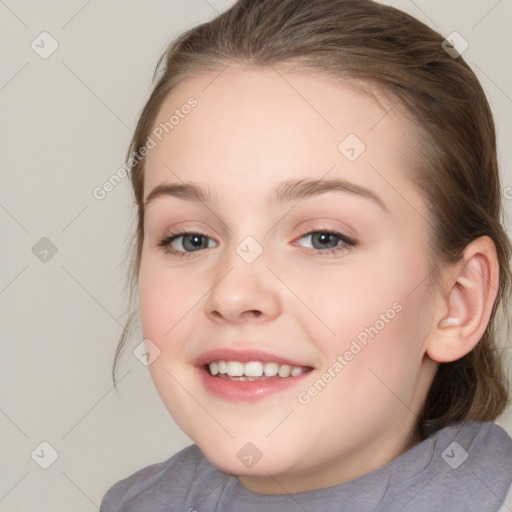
x: 67, y: 121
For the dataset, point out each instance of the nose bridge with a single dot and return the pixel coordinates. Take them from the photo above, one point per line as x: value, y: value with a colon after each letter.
x: 243, y: 285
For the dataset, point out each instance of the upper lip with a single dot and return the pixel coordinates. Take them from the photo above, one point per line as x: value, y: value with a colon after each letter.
x: 242, y: 355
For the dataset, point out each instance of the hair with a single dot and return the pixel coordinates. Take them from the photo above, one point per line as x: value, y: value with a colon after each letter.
x: 383, y: 50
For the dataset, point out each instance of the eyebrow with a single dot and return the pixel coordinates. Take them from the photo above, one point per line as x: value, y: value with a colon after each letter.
x: 288, y: 190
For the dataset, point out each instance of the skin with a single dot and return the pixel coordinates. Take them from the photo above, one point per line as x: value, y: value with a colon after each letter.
x: 250, y: 131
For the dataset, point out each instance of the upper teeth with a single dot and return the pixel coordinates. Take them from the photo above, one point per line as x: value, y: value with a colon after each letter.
x: 254, y: 369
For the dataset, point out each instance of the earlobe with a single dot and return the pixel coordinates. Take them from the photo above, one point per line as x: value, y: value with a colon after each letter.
x: 467, y: 303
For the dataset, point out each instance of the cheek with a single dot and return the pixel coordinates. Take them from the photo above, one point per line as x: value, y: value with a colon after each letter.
x: 372, y: 382
x: 351, y: 303
x: 386, y: 355
x: 164, y: 299
x: 377, y: 317
x: 153, y: 302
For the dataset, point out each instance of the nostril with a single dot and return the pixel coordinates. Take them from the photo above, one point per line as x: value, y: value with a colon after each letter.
x: 253, y: 313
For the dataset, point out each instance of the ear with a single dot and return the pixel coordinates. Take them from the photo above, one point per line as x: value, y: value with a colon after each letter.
x: 466, y: 303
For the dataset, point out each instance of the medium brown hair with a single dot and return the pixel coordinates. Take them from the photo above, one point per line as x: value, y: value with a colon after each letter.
x: 384, y: 50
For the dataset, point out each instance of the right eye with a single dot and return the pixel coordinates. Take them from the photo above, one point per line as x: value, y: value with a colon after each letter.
x: 181, y: 244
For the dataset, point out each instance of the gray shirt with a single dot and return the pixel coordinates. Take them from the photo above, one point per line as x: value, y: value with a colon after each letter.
x: 462, y: 467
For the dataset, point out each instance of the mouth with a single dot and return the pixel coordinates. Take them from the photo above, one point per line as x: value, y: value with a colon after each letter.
x: 245, y: 376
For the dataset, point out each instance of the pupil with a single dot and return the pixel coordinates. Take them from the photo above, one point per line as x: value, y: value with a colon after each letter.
x: 193, y: 240
x: 324, y: 239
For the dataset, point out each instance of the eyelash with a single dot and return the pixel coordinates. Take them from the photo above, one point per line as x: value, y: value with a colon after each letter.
x: 348, y: 243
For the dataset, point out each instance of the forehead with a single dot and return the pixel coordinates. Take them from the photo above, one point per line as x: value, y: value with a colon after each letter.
x: 255, y: 127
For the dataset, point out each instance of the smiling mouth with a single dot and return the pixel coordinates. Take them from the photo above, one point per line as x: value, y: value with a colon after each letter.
x: 253, y: 370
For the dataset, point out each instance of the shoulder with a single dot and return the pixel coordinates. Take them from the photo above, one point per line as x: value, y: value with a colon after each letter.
x: 476, y: 449
x: 507, y: 504
x: 469, y: 463
x: 489, y: 452
x: 174, y: 474
x: 485, y: 444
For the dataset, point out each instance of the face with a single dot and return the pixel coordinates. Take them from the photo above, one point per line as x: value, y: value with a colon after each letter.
x: 324, y: 284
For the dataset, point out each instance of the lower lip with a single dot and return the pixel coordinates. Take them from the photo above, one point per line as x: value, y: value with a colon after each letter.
x: 247, y: 391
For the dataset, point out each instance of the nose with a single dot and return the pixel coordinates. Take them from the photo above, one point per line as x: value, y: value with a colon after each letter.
x: 243, y: 292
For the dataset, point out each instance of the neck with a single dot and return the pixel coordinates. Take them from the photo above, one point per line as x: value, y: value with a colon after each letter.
x: 362, y: 460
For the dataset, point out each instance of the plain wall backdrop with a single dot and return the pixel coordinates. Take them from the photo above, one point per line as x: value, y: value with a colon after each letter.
x: 67, y: 120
